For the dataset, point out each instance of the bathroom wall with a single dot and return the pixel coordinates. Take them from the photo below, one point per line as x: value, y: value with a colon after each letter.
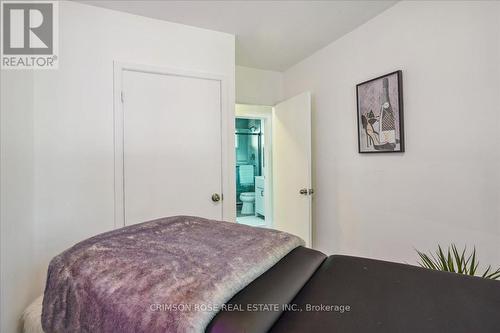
x: 262, y: 112
x: 242, y: 149
x: 247, y: 151
x: 446, y: 186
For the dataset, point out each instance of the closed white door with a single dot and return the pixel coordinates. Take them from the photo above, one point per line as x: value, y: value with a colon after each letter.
x: 171, y: 146
x: 292, y: 166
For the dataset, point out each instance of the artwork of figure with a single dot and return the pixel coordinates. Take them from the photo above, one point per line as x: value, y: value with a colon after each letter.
x: 380, y: 114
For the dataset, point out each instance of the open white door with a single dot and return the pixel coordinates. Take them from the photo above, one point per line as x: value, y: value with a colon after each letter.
x: 292, y: 166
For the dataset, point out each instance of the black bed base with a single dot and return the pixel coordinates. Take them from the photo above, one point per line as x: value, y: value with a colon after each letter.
x: 308, y: 292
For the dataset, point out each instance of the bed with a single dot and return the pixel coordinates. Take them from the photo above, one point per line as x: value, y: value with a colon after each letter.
x: 249, y: 280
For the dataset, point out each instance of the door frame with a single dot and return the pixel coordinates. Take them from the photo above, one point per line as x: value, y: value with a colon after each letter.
x: 268, y: 128
x: 118, y: 137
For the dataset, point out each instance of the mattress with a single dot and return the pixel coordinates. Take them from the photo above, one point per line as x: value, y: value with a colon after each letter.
x: 167, y: 275
x: 389, y: 297
x: 257, y: 307
x: 279, y: 285
x: 375, y: 296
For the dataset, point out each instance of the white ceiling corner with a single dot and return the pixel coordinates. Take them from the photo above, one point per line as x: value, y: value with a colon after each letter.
x: 271, y: 35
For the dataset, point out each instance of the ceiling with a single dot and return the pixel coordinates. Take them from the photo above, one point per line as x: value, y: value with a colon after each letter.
x: 272, y: 35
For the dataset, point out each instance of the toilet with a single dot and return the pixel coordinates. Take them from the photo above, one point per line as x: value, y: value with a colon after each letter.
x: 248, y: 200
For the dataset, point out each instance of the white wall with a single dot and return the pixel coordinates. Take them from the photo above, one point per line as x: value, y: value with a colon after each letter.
x: 72, y: 132
x: 16, y: 206
x: 446, y: 187
x: 258, y: 86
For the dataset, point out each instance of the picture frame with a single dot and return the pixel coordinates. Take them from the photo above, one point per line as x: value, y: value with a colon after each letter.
x: 380, y: 114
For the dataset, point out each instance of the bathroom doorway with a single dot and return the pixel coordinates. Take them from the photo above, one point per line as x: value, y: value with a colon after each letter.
x: 253, y: 165
x: 273, y: 175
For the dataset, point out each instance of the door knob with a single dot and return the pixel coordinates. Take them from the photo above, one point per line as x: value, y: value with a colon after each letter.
x: 215, y: 197
x: 303, y: 191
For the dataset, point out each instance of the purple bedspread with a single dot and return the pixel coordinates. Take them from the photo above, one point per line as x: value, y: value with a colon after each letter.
x: 166, y: 275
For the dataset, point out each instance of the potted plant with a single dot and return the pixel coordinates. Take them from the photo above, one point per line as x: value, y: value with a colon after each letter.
x: 456, y: 261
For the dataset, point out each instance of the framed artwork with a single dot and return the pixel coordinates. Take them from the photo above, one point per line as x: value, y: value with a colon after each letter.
x: 380, y: 114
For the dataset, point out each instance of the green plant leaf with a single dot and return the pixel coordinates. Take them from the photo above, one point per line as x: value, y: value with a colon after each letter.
x: 442, y: 259
x: 426, y: 262
x: 473, y: 264
x: 454, y: 260
x: 485, y: 274
x: 451, y: 267
x: 493, y: 275
x: 458, y: 259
